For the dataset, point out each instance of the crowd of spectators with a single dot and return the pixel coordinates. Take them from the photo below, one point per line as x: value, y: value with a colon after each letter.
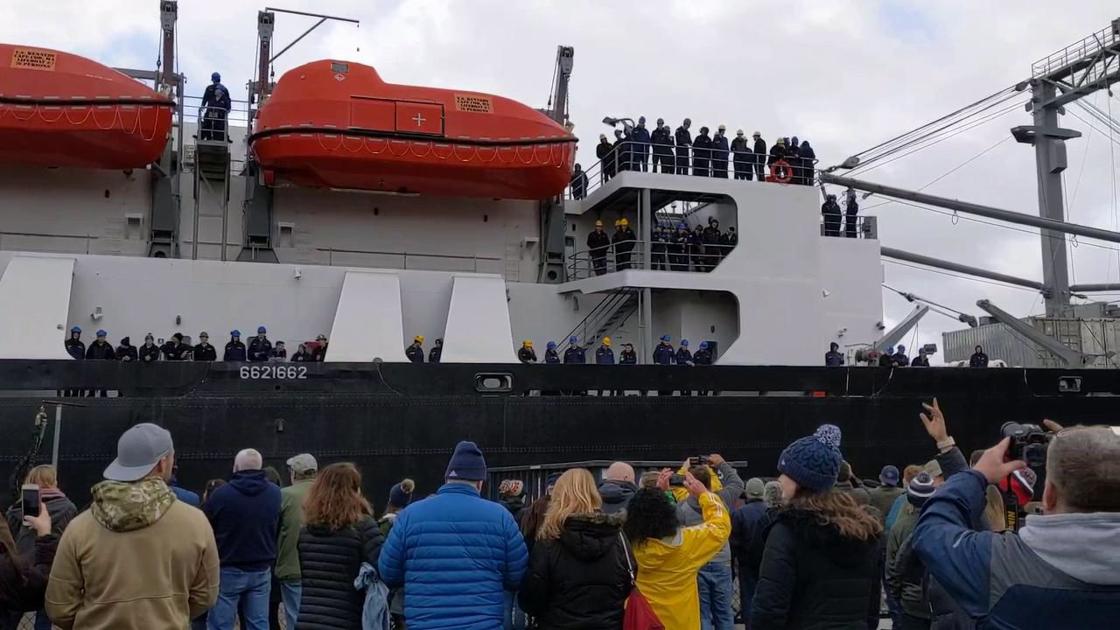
x: 672, y: 246
x: 956, y: 544
x: 636, y: 148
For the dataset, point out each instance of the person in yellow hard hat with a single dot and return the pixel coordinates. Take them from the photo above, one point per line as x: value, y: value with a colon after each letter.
x: 415, y: 352
x: 598, y: 243
x: 604, y: 355
x: 526, y: 354
x: 624, y: 239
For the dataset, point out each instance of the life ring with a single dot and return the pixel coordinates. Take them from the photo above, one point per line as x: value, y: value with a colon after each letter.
x: 784, y: 168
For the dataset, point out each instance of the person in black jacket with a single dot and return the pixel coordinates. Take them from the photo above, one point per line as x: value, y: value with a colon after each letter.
x: 174, y: 348
x: 684, y: 142
x: 149, y: 352
x: 75, y: 347
x: 526, y: 354
x: 742, y: 156
x: 759, y: 157
x: 830, y: 210
x: 578, y: 183
x: 415, y: 352
x: 639, y: 149
x: 436, y: 353
x: 260, y: 348
x: 579, y: 575
x: 808, y: 161
x: 23, y: 577
x: 605, y: 152
x: 235, y: 350
x: 978, y: 358
x: 820, y: 567
x: 338, y: 536
x: 301, y: 355
x: 126, y: 351
x: 101, y: 349
x: 623, y: 242
x: 598, y: 244
x: 662, y: 139
x: 204, y: 351
x: 719, y: 153
x: 701, y: 153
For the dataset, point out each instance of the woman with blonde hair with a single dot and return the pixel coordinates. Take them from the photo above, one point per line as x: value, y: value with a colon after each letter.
x: 339, y: 534
x: 579, y: 571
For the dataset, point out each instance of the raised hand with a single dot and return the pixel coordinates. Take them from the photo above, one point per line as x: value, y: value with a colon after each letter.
x: 992, y: 463
x: 934, y: 422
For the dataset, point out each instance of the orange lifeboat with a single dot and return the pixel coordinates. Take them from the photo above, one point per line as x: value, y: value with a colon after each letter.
x: 333, y: 124
x: 58, y: 109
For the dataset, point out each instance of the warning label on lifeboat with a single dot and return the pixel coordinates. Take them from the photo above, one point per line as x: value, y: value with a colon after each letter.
x: 31, y: 59
x: 475, y: 104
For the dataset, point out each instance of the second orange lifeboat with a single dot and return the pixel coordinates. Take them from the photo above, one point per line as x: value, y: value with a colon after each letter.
x: 59, y: 109
x: 333, y: 124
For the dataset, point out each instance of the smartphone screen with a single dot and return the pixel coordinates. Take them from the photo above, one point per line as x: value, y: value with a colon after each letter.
x: 30, y: 500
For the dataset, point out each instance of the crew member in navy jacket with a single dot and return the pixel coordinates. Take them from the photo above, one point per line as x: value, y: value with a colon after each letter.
x: 260, y: 348
x: 455, y: 553
x: 245, y: 515
x: 235, y: 350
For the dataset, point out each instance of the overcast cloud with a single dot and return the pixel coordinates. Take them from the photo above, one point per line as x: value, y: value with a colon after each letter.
x: 845, y: 74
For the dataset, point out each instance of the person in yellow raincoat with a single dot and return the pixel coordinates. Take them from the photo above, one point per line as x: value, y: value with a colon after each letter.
x: 669, y: 556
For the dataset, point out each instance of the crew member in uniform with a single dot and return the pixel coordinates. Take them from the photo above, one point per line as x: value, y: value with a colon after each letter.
x: 832, y: 216
x: 663, y: 354
x: 235, y: 350
x: 887, y: 358
x: 702, y: 154
x: 578, y: 183
x: 978, y: 358
x: 639, y: 149
x: 216, y: 103
x: 922, y: 360
x: 598, y: 242
x: 126, y: 351
x: 415, y: 352
x: 575, y: 353
x: 75, y: 347
x: 172, y: 349
x: 603, y: 354
x: 711, y: 240
x: 662, y: 140
x: 149, y: 352
x: 551, y: 357
x: 851, y: 213
x: 624, y: 239
x: 605, y: 152
x: 301, y: 354
x: 436, y: 353
x: 833, y: 358
x: 658, y: 249
x: 759, y: 157
x: 526, y: 354
x: 678, y: 259
x: 204, y: 351
x: 703, y: 356
x: 628, y: 356
x: 900, y: 359
x: 684, y: 143
x: 741, y: 156
x: 719, y: 153
x: 100, y: 350
x: 684, y: 357
x: 319, y: 354
x: 260, y: 348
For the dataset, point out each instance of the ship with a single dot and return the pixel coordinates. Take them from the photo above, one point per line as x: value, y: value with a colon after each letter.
x: 372, y: 213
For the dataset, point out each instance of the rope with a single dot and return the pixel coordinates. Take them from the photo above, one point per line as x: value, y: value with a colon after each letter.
x: 117, y: 119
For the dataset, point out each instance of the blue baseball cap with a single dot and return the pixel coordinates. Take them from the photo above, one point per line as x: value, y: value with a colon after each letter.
x: 666, y: 338
x: 235, y: 333
x: 550, y: 345
x: 573, y: 339
x: 76, y: 329
x: 684, y: 343
x: 102, y: 333
x: 703, y: 345
x: 261, y: 330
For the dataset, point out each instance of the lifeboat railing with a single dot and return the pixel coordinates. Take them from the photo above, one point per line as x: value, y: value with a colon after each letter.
x: 626, y: 157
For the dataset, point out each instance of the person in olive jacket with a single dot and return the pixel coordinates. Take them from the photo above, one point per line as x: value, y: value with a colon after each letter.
x: 338, y: 536
x: 580, y: 569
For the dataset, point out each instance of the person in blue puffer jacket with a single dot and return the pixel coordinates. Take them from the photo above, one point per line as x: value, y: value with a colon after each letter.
x: 455, y: 553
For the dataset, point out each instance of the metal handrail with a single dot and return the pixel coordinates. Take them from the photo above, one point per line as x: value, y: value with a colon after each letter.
x: 215, y: 128
x: 597, y: 176
x: 865, y: 227
x: 664, y: 257
x: 1091, y: 45
x: 612, y: 302
x: 331, y: 251
x: 238, y: 113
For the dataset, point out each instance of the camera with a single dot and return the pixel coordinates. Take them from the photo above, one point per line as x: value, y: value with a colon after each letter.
x: 676, y: 480
x: 1028, y: 443
x: 701, y: 460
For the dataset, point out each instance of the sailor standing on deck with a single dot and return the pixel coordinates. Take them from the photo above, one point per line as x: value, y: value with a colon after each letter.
x: 597, y: 245
x: 742, y: 157
x: 978, y: 358
x: 260, y: 348
x: 173, y: 348
x: 833, y: 358
x: 628, y: 356
x: 204, y: 351
x: 149, y: 352
x: 415, y: 352
x: 75, y: 347
x: 684, y: 142
x: 216, y: 104
x: 603, y: 354
x: 759, y: 157
x: 663, y: 354
x: 624, y: 239
x: 831, y: 211
x: 235, y: 350
x: 436, y: 353
x: 578, y: 183
x: 719, y: 153
x: 575, y: 353
x: 852, y: 212
x: 126, y: 351
x: 662, y: 139
x: 684, y: 357
x: 526, y: 354
x: 551, y: 357
x: 639, y: 151
x: 605, y: 152
x: 702, y: 154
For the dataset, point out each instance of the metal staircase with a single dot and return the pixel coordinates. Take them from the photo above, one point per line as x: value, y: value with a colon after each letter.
x: 212, y: 174
x: 606, y: 317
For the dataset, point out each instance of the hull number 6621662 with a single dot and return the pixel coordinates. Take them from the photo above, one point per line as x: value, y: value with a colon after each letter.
x: 273, y: 372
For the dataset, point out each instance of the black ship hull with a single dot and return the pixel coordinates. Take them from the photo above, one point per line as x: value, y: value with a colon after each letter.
x: 398, y: 420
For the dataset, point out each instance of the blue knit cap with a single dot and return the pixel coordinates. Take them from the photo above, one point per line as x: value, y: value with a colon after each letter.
x: 467, y: 463
x: 814, y: 460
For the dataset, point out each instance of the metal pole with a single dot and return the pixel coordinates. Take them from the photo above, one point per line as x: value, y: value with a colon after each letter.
x: 900, y: 254
x: 647, y: 320
x: 57, y: 435
x: 1091, y: 288
x: 647, y: 227
x: 972, y: 208
x: 1050, y: 161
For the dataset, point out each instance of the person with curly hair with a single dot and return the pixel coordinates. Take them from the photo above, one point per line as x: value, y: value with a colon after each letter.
x: 339, y: 534
x: 670, y: 556
x: 820, y: 566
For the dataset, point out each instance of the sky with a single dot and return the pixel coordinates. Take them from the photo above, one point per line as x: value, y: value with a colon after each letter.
x: 845, y: 74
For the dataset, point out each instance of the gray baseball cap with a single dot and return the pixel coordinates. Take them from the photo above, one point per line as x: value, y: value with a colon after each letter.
x: 138, y: 451
x: 303, y: 463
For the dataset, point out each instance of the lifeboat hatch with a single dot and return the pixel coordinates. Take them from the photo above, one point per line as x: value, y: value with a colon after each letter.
x: 390, y: 115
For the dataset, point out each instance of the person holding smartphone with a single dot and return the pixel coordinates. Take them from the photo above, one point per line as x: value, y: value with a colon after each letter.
x: 23, y: 577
